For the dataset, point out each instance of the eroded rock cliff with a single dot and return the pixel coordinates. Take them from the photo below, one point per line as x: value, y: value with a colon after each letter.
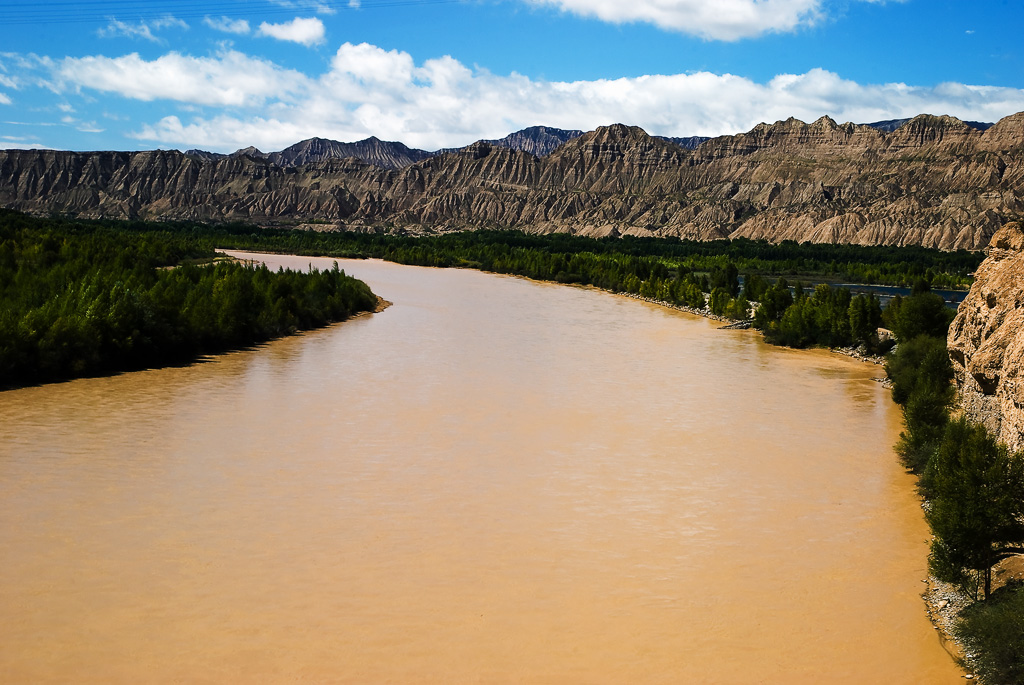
x: 986, y: 340
x: 934, y: 181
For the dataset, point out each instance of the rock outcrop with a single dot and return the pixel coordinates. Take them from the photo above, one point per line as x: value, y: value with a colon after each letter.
x: 934, y: 181
x: 986, y: 340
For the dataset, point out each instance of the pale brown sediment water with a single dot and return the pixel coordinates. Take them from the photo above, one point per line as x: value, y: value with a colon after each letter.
x: 494, y: 480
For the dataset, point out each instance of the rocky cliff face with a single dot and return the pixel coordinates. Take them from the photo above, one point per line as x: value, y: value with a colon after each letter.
x: 934, y: 181
x: 986, y: 340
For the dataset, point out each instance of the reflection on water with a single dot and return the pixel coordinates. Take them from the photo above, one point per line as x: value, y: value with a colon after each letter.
x: 494, y: 480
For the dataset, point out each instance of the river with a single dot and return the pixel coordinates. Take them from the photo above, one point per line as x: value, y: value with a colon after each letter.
x: 494, y: 480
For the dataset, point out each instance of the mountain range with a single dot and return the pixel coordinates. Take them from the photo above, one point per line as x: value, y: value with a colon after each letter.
x: 537, y: 140
x: 931, y: 180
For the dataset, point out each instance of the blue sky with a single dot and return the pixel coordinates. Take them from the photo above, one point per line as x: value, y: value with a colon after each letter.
x: 225, y: 74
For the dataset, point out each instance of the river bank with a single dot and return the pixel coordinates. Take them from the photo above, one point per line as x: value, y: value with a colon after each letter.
x: 858, y: 353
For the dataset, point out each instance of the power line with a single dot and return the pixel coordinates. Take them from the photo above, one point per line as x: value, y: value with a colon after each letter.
x: 89, y: 11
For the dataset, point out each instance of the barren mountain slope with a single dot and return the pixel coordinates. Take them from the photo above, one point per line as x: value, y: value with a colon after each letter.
x: 934, y: 181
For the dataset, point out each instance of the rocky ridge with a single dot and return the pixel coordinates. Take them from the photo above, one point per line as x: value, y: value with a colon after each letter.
x: 934, y: 181
x: 537, y: 140
x: 986, y: 340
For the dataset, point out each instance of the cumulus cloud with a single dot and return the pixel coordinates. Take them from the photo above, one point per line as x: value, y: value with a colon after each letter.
x: 142, y: 29
x: 227, y: 25
x: 441, y: 102
x: 228, y: 79
x: 727, y: 20
x: 5, y: 99
x: 720, y: 20
x: 299, y: 30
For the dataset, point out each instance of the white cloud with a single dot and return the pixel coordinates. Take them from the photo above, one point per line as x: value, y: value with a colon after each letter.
x: 717, y: 20
x: 227, y: 25
x: 441, y: 102
x: 709, y: 19
x: 24, y: 146
x: 5, y: 99
x: 318, y: 6
x: 228, y: 79
x: 140, y: 29
x: 299, y: 30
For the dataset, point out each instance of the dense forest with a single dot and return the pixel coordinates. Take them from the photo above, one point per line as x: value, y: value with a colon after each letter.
x: 88, y: 298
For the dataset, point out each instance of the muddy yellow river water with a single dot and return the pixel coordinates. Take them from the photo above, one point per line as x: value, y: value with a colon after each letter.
x: 493, y: 481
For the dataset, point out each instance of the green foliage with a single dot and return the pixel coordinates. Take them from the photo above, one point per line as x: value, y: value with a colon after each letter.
x: 85, y: 299
x: 504, y: 251
x: 825, y: 318
x: 774, y: 301
x: 976, y: 505
x: 994, y: 632
x: 920, y: 365
x: 922, y: 313
x: 922, y: 376
x: 739, y: 308
x: 719, y: 301
x: 755, y: 287
x: 865, y: 314
x: 725, y: 277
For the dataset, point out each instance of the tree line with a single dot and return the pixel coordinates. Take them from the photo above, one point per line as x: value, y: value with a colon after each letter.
x: 88, y: 298
x: 974, y: 488
x: 898, y: 266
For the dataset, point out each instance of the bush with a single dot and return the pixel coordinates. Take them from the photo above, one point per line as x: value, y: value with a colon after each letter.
x: 993, y: 632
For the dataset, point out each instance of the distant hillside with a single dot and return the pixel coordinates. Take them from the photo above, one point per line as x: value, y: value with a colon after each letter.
x: 690, y: 143
x: 385, y: 154
x: 539, y: 141
x: 934, y: 181
x: 890, y: 125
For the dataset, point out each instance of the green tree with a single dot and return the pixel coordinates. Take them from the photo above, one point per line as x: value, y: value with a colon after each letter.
x: 922, y: 378
x: 719, y: 301
x: 725, y: 277
x: 775, y: 300
x: 865, y: 318
x: 922, y: 313
x: 754, y: 287
x: 920, y: 365
x: 976, y: 506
